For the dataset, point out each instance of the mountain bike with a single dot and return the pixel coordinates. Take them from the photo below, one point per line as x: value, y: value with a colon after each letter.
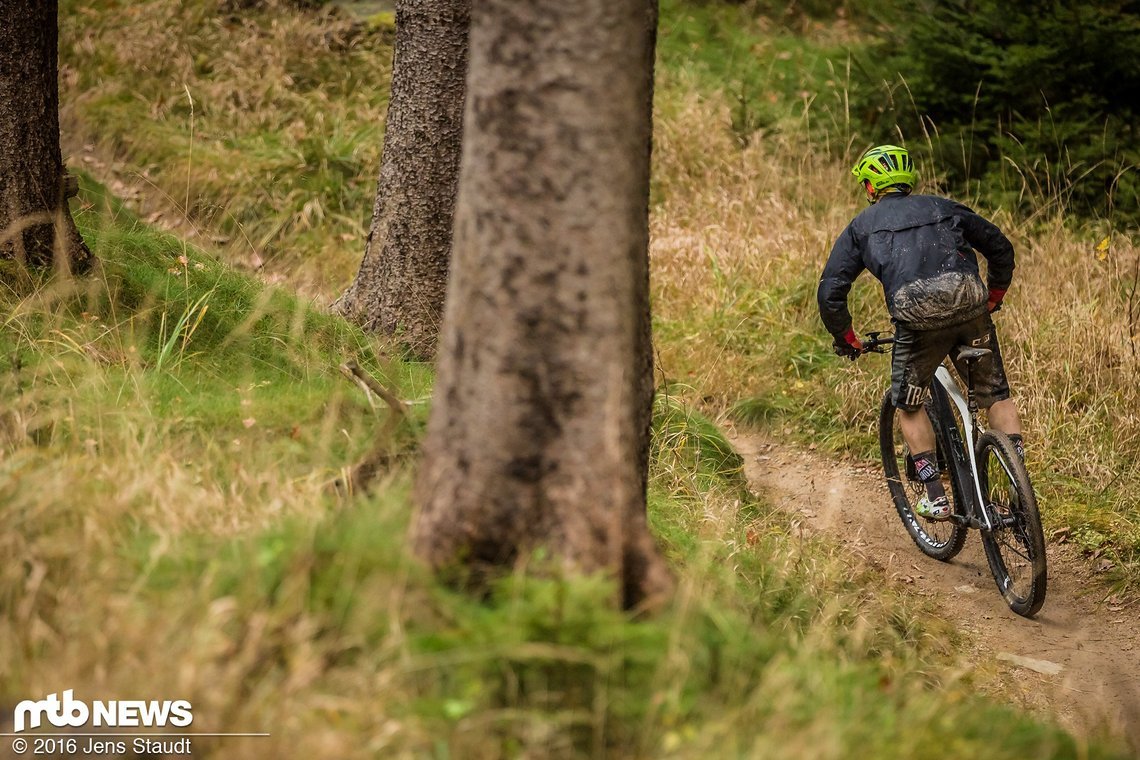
x: 989, y: 485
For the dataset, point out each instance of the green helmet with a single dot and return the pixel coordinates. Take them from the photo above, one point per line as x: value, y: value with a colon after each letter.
x: 885, y: 166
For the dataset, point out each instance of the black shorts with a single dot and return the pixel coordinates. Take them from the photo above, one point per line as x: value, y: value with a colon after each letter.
x: 917, y: 354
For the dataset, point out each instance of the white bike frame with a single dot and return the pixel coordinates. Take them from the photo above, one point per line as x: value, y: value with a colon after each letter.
x: 943, y: 376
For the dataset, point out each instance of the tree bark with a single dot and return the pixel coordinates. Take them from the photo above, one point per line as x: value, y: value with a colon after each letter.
x: 36, y: 227
x: 644, y: 350
x: 400, y: 287
x: 538, y: 435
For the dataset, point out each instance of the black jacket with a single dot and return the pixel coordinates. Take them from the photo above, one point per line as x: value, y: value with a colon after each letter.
x: 921, y: 248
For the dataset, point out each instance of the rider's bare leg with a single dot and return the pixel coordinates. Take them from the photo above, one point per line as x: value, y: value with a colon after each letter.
x: 917, y: 430
x: 1003, y: 417
x: 919, y: 436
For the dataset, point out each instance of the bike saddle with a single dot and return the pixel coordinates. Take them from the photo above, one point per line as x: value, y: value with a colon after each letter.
x: 969, y: 353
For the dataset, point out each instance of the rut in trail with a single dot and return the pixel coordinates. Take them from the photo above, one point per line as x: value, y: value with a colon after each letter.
x: 1087, y: 638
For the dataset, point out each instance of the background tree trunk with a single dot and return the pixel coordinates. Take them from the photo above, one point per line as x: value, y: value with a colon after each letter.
x: 539, y: 427
x: 36, y: 227
x: 400, y: 287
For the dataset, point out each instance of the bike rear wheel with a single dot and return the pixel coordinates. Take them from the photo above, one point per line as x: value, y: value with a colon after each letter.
x: 941, y: 540
x: 1015, y: 548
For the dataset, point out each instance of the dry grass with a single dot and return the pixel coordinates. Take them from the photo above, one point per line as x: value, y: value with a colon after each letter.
x: 257, y: 132
x: 161, y: 547
x: 739, y: 240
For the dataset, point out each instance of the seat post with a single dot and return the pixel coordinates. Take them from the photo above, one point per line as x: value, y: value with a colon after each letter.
x: 971, y: 400
x: 967, y: 355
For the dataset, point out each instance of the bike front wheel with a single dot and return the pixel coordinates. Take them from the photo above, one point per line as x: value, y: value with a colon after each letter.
x: 941, y: 540
x: 1015, y: 548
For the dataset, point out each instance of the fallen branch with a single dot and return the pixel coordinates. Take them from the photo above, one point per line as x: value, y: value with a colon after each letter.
x: 356, y: 373
x: 360, y: 475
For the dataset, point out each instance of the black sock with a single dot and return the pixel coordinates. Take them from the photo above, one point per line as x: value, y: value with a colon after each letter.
x: 926, y: 466
x: 1018, y: 444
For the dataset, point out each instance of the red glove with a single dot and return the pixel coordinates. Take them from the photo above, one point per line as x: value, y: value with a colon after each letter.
x: 849, y: 345
x: 996, y: 294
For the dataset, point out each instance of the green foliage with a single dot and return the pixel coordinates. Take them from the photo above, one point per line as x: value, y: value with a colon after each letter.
x: 684, y: 439
x: 799, y: 13
x: 167, y: 342
x: 262, y: 126
x: 723, y: 46
x: 1035, y: 100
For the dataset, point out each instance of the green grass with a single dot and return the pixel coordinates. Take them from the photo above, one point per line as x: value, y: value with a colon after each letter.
x: 262, y: 128
x: 160, y: 547
x: 771, y: 78
x: 747, y: 661
x: 168, y: 347
x: 175, y: 425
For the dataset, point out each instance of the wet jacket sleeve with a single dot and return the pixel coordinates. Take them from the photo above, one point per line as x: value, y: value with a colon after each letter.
x: 988, y: 240
x: 843, y: 266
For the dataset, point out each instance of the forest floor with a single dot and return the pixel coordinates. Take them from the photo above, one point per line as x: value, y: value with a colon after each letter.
x: 1078, y: 659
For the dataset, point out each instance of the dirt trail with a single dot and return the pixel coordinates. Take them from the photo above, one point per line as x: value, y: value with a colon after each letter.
x: 1092, y: 637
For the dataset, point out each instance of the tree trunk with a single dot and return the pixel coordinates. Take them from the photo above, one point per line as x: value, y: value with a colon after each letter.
x: 400, y: 287
x: 538, y: 434
x: 36, y: 227
x: 644, y: 350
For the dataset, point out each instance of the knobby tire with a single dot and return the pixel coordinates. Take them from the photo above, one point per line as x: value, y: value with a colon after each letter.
x: 1015, y: 550
x: 940, y: 540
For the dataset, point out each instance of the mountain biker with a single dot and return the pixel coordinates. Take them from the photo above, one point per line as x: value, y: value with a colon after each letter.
x: 921, y: 248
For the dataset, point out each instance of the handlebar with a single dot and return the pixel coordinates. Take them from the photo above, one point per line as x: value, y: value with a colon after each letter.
x: 876, y: 345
